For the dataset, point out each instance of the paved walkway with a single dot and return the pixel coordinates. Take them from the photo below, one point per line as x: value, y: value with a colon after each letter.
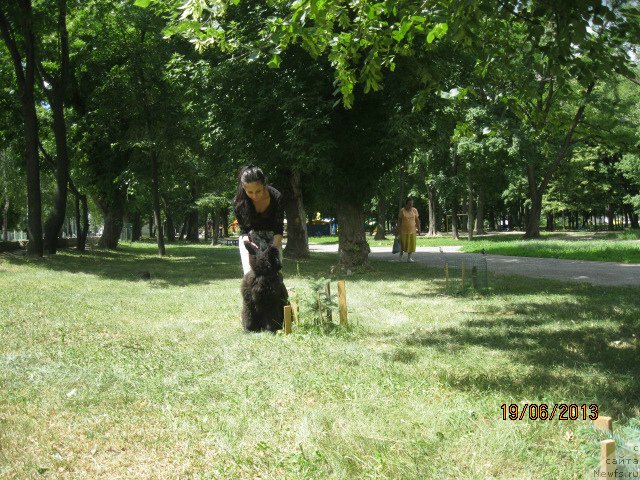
x: 596, y: 273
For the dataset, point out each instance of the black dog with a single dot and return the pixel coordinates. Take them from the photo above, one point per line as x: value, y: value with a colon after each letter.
x: 263, y: 292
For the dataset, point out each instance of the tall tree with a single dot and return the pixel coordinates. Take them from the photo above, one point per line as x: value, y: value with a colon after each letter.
x: 55, y: 86
x: 16, y: 25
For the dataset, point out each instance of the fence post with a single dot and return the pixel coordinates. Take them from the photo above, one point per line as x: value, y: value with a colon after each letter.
x: 342, y: 302
x: 607, y: 457
x: 604, y: 423
x: 287, y: 319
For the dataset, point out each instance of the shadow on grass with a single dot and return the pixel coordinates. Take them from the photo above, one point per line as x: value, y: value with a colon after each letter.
x: 183, y: 265
x: 570, y: 342
x: 585, y: 348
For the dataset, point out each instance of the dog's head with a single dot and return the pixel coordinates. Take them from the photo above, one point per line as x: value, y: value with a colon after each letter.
x: 263, y: 261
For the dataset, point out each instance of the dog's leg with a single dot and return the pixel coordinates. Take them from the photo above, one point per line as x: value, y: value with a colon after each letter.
x: 250, y: 320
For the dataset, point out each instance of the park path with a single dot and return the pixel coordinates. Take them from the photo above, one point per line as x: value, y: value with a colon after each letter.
x: 595, y: 273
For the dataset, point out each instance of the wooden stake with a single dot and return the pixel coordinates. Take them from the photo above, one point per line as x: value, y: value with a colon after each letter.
x: 463, y: 275
x: 607, y: 456
x: 603, y: 423
x: 329, y: 312
x: 474, y: 277
x: 287, y: 319
x: 342, y: 302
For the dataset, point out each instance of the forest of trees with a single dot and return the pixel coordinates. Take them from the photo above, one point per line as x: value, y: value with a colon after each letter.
x: 503, y: 113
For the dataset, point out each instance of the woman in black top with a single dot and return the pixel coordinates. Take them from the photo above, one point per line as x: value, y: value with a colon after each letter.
x: 258, y: 208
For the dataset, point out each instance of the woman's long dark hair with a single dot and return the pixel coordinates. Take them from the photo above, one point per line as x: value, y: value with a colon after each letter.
x: 247, y: 174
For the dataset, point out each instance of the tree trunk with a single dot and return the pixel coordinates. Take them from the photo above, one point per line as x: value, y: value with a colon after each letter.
x: 215, y: 222
x: 353, y: 247
x: 469, y: 206
x: 611, y: 217
x: 492, y: 220
x: 192, y: 227
x: 454, y: 219
x: 225, y: 222
x: 112, y: 226
x: 5, y: 215
x: 433, y: 227
x: 59, y: 85
x: 633, y: 217
x: 171, y: 229
x: 537, y: 191
x: 81, y: 214
x: 170, y: 232
x: 480, y: 213
x: 381, y: 231
x: 192, y: 222
x: 533, y: 223
x: 455, y: 200
x: 81, y: 241
x: 136, y: 228
x: 297, y: 239
x: 55, y: 220
x: 626, y: 218
x: 25, y: 76
x: 208, y: 225
x: 155, y: 199
x: 550, y: 222
x: 78, y: 216
x: 185, y: 227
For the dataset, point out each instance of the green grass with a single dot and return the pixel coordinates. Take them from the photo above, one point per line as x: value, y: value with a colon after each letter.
x: 594, y: 250
x: 105, y: 375
x: 323, y: 240
x: 620, y: 247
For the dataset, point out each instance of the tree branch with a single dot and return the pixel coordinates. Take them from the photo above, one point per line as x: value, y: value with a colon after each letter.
x: 43, y: 74
x: 567, y: 139
x: 510, y: 10
x: 10, y: 41
x: 631, y: 79
x: 52, y: 163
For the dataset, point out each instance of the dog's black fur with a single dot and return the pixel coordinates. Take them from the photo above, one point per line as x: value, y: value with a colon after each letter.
x: 263, y: 292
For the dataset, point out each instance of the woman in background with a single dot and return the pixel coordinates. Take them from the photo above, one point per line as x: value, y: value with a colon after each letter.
x: 407, y: 229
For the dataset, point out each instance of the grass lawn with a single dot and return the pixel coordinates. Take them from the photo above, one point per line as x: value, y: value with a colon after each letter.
x: 106, y: 375
x: 621, y: 247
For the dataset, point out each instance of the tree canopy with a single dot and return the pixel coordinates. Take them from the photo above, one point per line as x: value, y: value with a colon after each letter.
x: 502, y: 113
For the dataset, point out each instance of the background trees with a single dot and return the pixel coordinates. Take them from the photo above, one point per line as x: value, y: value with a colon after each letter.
x: 517, y: 114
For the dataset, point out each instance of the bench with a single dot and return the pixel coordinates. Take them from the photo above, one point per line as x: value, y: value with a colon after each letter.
x: 231, y: 241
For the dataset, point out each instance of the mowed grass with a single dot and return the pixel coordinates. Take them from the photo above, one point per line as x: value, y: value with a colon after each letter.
x: 619, y: 251
x: 620, y: 247
x: 106, y: 375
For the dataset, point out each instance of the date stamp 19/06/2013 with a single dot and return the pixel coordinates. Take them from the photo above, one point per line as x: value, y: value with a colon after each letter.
x: 543, y: 411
